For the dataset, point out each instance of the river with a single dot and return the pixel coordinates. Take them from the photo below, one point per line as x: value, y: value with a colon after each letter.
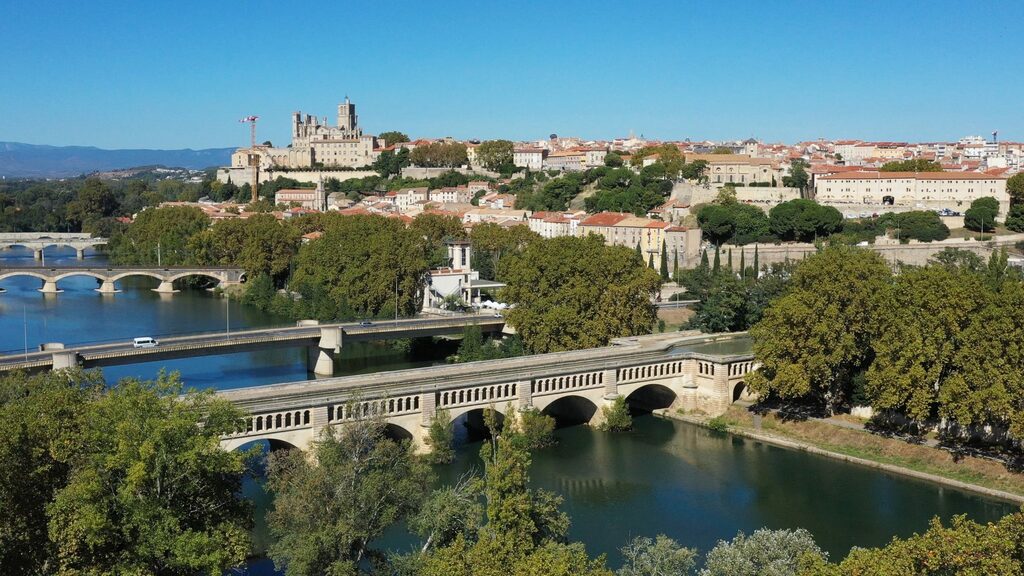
x: 669, y: 477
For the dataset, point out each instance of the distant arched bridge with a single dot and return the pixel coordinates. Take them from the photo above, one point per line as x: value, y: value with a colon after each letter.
x: 673, y: 371
x: 37, y: 241
x: 109, y: 275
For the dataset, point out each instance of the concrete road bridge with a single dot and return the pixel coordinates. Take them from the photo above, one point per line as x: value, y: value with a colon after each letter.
x: 37, y: 241
x: 324, y: 342
x: 676, y: 371
x: 109, y: 275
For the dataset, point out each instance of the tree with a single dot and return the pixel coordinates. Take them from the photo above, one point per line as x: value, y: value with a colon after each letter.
x: 914, y: 165
x: 149, y: 491
x: 495, y: 155
x: 40, y: 416
x: 441, y: 438
x: 393, y: 137
x: 94, y: 201
x: 159, y: 235
x: 616, y: 416
x: 439, y: 155
x: 491, y: 242
x: 798, y: 177
x: 261, y: 244
x: 664, y: 262
x: 661, y: 556
x: 525, y: 532
x: 390, y: 163
x: 963, y: 547
x: 737, y: 223
x: 1015, y: 188
x: 449, y: 513
x: 772, y: 552
x: 328, y: 509
x: 351, y: 270
x: 724, y: 307
x: 570, y: 293
x: 613, y: 160
x: 803, y: 220
x: 717, y: 266
x: 435, y: 229
x: 923, y: 225
x: 1015, y: 219
x: 722, y: 150
x: 981, y: 216
x: 923, y: 319
x: 818, y: 335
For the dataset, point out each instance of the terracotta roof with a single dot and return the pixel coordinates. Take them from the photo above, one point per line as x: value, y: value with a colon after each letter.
x: 605, y: 219
x: 911, y: 175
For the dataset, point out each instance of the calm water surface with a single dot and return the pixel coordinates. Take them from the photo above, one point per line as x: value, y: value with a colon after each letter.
x: 80, y: 315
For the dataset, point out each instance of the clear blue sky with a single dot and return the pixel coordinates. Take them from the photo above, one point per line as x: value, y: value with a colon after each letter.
x: 161, y: 74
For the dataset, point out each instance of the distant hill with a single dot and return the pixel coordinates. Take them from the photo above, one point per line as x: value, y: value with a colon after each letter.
x: 38, y: 161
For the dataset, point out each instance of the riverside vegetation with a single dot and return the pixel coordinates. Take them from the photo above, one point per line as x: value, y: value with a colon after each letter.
x: 95, y: 483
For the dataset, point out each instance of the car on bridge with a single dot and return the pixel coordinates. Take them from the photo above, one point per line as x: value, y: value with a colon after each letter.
x: 144, y: 342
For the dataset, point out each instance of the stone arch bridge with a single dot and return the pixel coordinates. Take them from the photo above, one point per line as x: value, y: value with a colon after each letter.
x: 675, y: 371
x: 37, y: 241
x: 109, y: 275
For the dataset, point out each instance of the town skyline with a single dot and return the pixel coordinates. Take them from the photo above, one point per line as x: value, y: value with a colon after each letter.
x: 784, y: 73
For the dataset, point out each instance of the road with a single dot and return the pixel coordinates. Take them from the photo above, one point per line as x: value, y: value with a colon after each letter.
x: 211, y: 343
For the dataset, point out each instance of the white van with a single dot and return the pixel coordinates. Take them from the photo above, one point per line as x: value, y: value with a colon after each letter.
x: 144, y: 342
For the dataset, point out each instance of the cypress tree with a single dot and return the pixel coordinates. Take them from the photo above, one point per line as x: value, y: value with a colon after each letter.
x: 675, y: 269
x: 743, y: 263
x: 664, y: 262
x: 718, y: 261
x: 650, y: 261
x: 730, y: 259
x: 757, y: 269
x: 704, y: 259
x: 639, y: 252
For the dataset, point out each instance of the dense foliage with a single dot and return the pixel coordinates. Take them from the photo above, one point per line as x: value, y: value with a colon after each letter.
x: 118, y: 480
x: 981, y: 216
x: 495, y: 155
x: 914, y: 165
x: 569, y: 293
x: 730, y: 299
x: 932, y: 343
x: 439, y: 155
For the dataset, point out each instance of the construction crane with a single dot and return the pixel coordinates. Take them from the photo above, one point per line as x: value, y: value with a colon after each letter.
x: 254, y: 157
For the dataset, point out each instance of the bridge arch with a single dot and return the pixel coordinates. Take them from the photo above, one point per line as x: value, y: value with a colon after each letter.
x: 16, y: 273
x: 571, y: 410
x: 470, y: 424
x: 130, y: 273
x: 398, y: 433
x: 89, y: 273
x: 650, y: 397
x: 289, y: 440
x: 212, y: 275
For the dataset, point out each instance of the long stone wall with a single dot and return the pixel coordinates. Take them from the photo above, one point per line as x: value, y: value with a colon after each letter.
x: 913, y: 253
x: 241, y: 176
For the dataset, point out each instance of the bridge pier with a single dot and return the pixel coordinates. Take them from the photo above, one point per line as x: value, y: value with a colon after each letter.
x: 80, y: 253
x: 165, y: 287
x: 321, y: 357
x: 50, y: 287
x: 37, y: 253
x: 62, y: 360
x: 107, y: 287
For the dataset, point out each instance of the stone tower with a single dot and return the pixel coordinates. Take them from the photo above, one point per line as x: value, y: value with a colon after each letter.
x: 347, y: 119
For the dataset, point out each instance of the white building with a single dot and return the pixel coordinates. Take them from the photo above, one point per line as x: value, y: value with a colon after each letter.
x: 878, y: 191
x: 458, y: 281
x: 529, y: 158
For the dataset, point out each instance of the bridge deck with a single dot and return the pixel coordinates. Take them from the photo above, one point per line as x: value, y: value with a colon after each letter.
x: 212, y: 343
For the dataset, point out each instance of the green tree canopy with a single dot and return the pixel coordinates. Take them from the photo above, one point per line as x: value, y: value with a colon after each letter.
x: 439, y: 155
x: 118, y: 480
x: 261, y: 244
x: 981, y: 216
x: 495, y: 155
x: 167, y: 230
x: 914, y: 165
x: 818, y: 335
x: 923, y: 225
x: 329, y: 509
x: 393, y: 137
x: 570, y: 293
x: 353, y: 266
x: 803, y: 220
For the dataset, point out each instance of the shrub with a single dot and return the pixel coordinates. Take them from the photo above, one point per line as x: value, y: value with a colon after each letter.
x: 441, y: 438
x: 537, y: 430
x: 616, y: 416
x: 718, y: 424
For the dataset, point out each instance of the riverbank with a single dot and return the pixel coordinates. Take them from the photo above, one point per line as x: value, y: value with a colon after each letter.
x: 860, y: 447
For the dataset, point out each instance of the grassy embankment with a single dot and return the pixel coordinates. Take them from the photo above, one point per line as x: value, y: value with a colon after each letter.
x: 875, y: 448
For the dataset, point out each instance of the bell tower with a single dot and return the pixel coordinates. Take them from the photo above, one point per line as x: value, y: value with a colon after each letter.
x: 347, y: 119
